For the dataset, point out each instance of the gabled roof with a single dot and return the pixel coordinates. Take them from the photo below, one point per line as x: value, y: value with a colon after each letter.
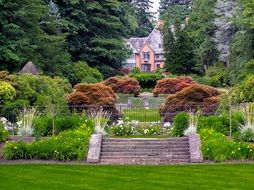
x: 137, y: 43
x: 153, y: 40
x: 29, y: 68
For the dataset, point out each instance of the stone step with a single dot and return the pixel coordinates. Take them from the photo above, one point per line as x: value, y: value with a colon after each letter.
x: 167, y: 146
x: 146, y: 143
x: 168, y: 156
x: 109, y: 149
x: 146, y: 139
x: 143, y: 153
x: 139, y: 160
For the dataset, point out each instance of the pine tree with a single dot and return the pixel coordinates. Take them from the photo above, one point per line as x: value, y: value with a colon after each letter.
x: 165, y: 4
x: 95, y: 33
x: 144, y: 16
x: 19, y: 32
x: 178, y: 50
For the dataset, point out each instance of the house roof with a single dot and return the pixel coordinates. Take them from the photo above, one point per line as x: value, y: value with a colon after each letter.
x: 137, y: 43
x: 153, y: 40
x: 29, y: 68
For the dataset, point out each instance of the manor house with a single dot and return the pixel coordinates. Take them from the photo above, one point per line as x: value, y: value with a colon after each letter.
x: 147, y: 52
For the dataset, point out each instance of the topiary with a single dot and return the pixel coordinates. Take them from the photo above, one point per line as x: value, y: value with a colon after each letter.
x: 181, y: 123
x: 192, y: 98
x: 7, y: 92
x: 171, y: 85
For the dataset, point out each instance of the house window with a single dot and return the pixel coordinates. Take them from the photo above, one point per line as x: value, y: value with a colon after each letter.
x: 160, y: 46
x: 158, y: 66
x: 128, y: 45
x: 157, y: 56
x: 146, y: 55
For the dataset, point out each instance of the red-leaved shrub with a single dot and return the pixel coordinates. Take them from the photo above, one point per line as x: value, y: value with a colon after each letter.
x: 124, y: 85
x: 192, y: 98
x: 92, y: 96
x: 172, y: 85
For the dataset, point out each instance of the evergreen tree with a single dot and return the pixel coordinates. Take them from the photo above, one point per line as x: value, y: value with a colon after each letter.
x: 201, y: 31
x: 144, y: 16
x: 95, y: 33
x: 165, y: 4
x: 28, y: 32
x: 178, y: 50
x: 20, y: 33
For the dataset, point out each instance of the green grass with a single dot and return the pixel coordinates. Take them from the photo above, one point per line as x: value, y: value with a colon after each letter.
x: 142, y: 115
x: 182, y: 177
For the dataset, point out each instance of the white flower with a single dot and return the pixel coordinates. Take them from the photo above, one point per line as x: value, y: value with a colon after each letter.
x: 167, y: 124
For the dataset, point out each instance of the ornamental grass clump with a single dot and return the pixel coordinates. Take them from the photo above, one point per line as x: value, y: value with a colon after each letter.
x: 247, y: 128
x: 193, y: 123
x: 26, y: 121
x: 100, y: 119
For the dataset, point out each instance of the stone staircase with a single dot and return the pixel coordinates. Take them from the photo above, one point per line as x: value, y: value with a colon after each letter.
x: 144, y: 151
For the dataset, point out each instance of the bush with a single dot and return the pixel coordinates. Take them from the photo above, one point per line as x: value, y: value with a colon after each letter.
x: 220, y: 123
x: 125, y: 85
x: 244, y: 92
x: 43, y: 125
x: 181, y: 123
x: 195, y: 97
x: 68, y: 145
x: 245, y: 136
x: 81, y: 72
x: 92, y: 95
x: 3, y: 133
x: 216, y: 147
x: 7, y: 92
x: 147, y: 80
x: 171, y: 85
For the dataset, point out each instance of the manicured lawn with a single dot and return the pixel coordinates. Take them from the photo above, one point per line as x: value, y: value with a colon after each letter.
x: 189, y: 177
x: 142, y: 115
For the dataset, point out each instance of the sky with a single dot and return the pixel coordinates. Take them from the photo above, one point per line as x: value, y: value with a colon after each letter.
x: 155, y: 6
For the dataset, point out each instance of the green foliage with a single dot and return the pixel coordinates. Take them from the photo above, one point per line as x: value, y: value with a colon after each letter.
x: 201, y: 29
x: 41, y: 90
x: 244, y: 92
x: 80, y: 72
x: 43, y: 125
x: 3, y: 133
x: 217, y: 76
x: 181, y: 123
x: 68, y: 145
x: 220, y: 123
x: 144, y: 17
x: 25, y: 36
x: 245, y: 136
x: 174, y: 12
x: 7, y: 92
x: 178, y: 49
x: 147, y: 80
x: 216, y: 147
x: 95, y: 32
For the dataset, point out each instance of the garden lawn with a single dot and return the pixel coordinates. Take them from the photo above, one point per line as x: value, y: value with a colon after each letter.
x: 214, y: 176
x: 142, y: 115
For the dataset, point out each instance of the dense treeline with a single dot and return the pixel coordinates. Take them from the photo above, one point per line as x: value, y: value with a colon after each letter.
x: 54, y: 34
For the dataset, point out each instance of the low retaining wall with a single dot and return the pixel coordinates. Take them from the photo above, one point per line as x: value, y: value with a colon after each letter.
x: 94, y: 148
x: 195, y: 149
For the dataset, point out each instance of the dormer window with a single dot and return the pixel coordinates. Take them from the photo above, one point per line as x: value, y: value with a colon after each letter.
x: 128, y: 46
